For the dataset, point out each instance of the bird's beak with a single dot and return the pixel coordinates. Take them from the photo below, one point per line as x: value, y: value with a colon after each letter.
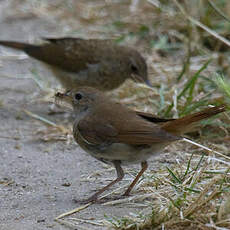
x: 148, y: 83
x: 64, y: 97
x: 139, y: 79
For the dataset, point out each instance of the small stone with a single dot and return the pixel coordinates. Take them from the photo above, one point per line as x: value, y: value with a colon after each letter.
x: 66, y: 184
x: 41, y: 220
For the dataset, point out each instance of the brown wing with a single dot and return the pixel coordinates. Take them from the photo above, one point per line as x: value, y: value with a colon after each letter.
x: 152, y: 118
x: 137, y: 133
x: 96, y: 133
x: 75, y: 54
x: 143, y: 133
x: 69, y: 54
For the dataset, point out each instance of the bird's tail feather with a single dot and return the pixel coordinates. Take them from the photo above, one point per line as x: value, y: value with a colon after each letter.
x: 184, y: 124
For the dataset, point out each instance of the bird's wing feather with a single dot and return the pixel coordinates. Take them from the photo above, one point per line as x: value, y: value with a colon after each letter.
x: 70, y: 59
x: 71, y: 54
x: 96, y: 133
x: 152, y: 118
x: 141, y: 133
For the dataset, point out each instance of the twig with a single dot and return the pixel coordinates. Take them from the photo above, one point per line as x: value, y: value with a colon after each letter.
x: 73, y: 211
x: 70, y: 225
x: 206, y: 148
x: 44, y: 120
x: 97, y: 223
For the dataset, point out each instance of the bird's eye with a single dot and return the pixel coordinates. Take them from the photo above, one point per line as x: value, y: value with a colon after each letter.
x: 78, y: 96
x: 134, y: 69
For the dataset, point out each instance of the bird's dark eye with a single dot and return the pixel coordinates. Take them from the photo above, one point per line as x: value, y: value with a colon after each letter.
x: 134, y: 69
x: 78, y: 96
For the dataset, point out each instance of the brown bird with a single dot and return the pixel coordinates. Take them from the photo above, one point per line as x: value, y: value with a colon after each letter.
x: 112, y: 133
x: 75, y: 62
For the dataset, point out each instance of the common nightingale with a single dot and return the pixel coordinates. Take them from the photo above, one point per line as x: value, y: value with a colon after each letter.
x: 113, y: 133
x: 76, y: 62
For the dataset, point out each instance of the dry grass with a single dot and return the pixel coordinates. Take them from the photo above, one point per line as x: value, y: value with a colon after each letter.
x: 188, y: 195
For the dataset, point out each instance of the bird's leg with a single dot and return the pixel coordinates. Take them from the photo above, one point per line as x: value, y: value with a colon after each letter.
x: 144, y: 166
x: 120, y: 175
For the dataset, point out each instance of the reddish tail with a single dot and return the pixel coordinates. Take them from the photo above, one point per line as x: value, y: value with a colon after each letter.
x: 184, y: 124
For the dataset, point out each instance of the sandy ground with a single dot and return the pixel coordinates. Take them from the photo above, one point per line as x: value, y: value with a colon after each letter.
x: 38, y: 180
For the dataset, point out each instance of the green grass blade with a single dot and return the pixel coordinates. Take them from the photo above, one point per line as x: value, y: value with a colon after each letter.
x: 189, y: 86
x: 223, y: 85
x: 191, y: 108
x: 198, y: 164
x: 168, y: 110
x: 162, y: 98
x: 175, y: 178
x: 188, y: 166
x: 185, y: 67
x: 192, y: 190
x: 191, y: 83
